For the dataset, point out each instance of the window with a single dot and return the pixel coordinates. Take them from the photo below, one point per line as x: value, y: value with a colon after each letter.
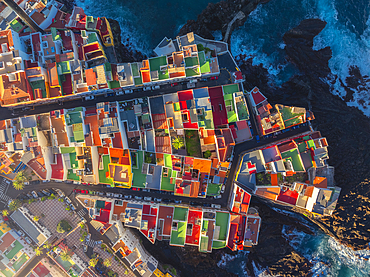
x: 45, y: 44
x: 185, y: 117
x: 220, y: 107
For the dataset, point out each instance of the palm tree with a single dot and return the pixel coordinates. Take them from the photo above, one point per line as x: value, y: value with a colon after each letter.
x: 47, y: 245
x: 21, y: 176
x: 18, y: 185
x: 5, y: 212
x: 108, y: 262
x: 111, y: 273
x: 65, y: 255
x: 178, y: 142
x: 93, y: 262
x: 15, y: 204
x: 38, y: 251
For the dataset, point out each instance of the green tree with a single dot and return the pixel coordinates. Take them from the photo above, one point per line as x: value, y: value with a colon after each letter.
x: 47, y: 245
x: 38, y: 251
x: 63, y: 226
x: 68, y: 208
x: 65, y: 255
x: 5, y: 212
x: 18, y: 185
x: 207, y: 154
x: 82, y: 225
x: 36, y: 218
x: 107, y: 262
x: 178, y: 142
x: 93, y: 262
x: 111, y: 273
x: 15, y: 204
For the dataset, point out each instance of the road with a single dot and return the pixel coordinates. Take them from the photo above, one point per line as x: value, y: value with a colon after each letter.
x: 22, y: 14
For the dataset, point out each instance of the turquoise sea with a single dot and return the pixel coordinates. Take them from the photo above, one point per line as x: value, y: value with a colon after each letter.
x: 146, y: 22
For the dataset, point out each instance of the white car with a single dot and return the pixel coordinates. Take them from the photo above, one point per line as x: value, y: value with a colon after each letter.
x: 20, y: 232
x: 34, y: 194
x: 128, y: 196
x: 68, y: 200
x: 217, y: 206
x: 120, y: 92
x: 223, y: 189
x: 90, y: 97
x: 28, y: 240
x: 147, y: 198
x: 85, y: 248
x: 138, y: 197
x: 87, y: 239
x: 217, y: 196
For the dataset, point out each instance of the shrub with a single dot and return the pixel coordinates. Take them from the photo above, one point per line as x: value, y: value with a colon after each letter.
x: 200, y: 47
x: 43, y: 198
x: 63, y: 226
x: 68, y: 208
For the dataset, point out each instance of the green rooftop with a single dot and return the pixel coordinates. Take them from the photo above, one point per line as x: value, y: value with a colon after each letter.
x: 180, y: 214
x: 16, y: 25
x: 72, y: 176
x: 213, y: 189
x: 166, y: 181
x: 65, y: 150
x: 192, y: 72
x: 73, y: 117
x: 17, y: 247
x: 178, y: 237
x: 135, y: 70
x: 139, y: 178
x: 21, y: 261
x: 92, y: 38
x: 38, y: 84
x: 218, y: 244
x: 191, y: 61
x: 55, y: 34
x: 295, y: 158
x: 102, y: 177
x: 7, y: 272
x: 222, y: 220
x: 63, y: 67
x: 230, y: 89
x: 204, y: 64
x: 138, y: 81
x: 203, y: 247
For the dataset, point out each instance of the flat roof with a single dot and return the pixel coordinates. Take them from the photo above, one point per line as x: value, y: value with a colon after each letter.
x: 28, y: 227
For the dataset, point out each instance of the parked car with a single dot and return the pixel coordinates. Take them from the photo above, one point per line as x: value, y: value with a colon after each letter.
x: 174, y: 84
x: 76, y: 190
x: 111, y: 94
x: 68, y: 200
x: 217, y: 206
x: 47, y: 193
x: 166, y: 200
x: 206, y: 205
x: 217, y: 196
x: 28, y: 240
x: 138, y: 197
x: 128, y: 196
x: 72, y: 207
x: 29, y: 195
x: 20, y: 232
x: 60, y: 193
x: 90, y: 97
x: 158, y: 199
x: 85, y: 248
x: 134, y: 188
x: 120, y: 92
x: 178, y: 201
x: 258, y: 138
x: 192, y: 203
x: 214, y: 78
x: 145, y: 190
x: 34, y: 194
x: 85, y: 191
x: 99, y: 193
x: 147, y: 198
x: 87, y: 239
x: 223, y: 189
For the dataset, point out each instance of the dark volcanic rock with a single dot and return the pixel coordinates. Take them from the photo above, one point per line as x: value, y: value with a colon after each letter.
x: 273, y: 248
x: 187, y: 260
x: 124, y: 50
x: 292, y: 265
x: 346, y: 128
x: 218, y: 15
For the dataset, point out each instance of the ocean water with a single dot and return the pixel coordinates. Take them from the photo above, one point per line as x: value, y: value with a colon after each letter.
x: 329, y: 257
x: 347, y: 33
x: 145, y: 23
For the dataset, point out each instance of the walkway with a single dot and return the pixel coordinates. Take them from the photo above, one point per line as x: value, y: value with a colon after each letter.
x: 239, y: 16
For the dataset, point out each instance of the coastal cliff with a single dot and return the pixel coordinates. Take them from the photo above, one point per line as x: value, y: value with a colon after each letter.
x: 217, y: 16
